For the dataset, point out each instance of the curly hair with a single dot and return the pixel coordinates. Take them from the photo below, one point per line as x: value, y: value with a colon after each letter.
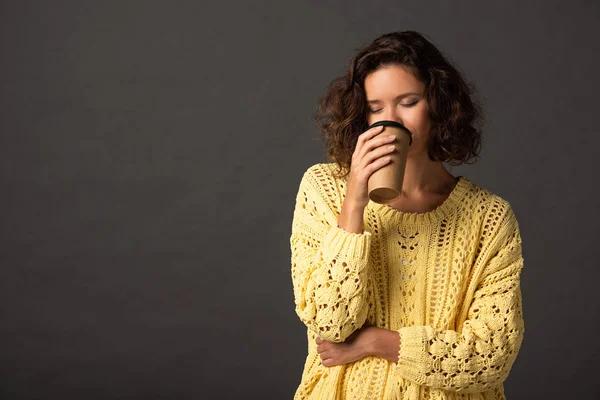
x: 456, y: 119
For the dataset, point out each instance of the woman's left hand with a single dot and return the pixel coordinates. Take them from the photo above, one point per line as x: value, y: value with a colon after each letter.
x: 358, y: 345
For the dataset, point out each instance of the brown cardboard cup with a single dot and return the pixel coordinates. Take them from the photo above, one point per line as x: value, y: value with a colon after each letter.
x: 385, y: 184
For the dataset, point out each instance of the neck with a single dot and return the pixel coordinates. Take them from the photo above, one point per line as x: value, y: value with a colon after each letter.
x: 425, y: 176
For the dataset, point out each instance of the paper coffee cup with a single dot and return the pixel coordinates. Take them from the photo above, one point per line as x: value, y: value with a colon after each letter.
x: 385, y: 184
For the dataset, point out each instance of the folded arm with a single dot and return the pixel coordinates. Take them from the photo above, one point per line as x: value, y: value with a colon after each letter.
x: 329, y: 265
x: 481, y: 354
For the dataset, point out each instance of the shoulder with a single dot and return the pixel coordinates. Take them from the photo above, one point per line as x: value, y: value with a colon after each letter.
x: 495, y: 212
x: 322, y: 175
x: 323, y: 170
x: 321, y: 183
x: 486, y: 199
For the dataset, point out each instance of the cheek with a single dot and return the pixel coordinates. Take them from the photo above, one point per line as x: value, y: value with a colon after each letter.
x: 420, y: 127
x: 420, y: 123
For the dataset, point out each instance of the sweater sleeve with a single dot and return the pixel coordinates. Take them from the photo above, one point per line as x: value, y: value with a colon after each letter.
x: 329, y: 264
x: 481, y: 354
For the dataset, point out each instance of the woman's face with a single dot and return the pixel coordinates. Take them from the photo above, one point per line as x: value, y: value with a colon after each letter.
x: 394, y: 94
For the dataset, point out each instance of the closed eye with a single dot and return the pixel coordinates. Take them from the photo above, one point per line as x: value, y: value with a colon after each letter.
x: 403, y: 105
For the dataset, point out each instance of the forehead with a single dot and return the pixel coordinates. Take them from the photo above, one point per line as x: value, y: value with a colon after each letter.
x: 391, y: 80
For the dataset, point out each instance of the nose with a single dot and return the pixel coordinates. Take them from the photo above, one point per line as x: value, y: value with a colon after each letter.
x: 391, y: 114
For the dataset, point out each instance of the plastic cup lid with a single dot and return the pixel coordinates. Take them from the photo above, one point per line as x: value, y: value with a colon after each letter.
x: 394, y: 124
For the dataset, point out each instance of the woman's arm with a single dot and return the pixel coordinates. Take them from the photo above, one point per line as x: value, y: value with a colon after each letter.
x: 329, y: 271
x: 479, y: 355
x: 474, y: 359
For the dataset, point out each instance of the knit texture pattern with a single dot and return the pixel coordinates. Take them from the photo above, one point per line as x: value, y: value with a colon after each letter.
x: 447, y: 280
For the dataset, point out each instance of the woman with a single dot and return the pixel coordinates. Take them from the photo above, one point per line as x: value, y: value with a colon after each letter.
x: 419, y: 298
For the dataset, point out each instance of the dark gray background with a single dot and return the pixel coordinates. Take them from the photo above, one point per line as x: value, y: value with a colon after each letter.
x: 151, y: 154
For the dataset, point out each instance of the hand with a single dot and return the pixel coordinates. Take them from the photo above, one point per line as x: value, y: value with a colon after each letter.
x: 356, y: 346
x: 367, y: 158
x: 367, y: 341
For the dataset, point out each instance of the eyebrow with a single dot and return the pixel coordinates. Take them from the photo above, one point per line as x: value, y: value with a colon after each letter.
x: 396, y: 98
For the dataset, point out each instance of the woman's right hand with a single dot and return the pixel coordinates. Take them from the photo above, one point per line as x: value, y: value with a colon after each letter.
x: 370, y: 154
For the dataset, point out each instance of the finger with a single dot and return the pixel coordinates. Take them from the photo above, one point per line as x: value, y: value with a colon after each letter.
x: 329, y: 362
x: 369, y: 133
x: 375, y: 148
x: 365, y: 136
x: 377, y: 154
x: 322, y: 347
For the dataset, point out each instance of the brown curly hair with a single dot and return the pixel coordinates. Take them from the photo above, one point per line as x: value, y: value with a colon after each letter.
x: 456, y: 119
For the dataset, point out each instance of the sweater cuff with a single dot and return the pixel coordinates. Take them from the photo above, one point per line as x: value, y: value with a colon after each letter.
x: 413, y: 348
x: 344, y: 244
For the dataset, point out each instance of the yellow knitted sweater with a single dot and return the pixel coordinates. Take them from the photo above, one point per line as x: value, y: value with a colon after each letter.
x: 447, y: 280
